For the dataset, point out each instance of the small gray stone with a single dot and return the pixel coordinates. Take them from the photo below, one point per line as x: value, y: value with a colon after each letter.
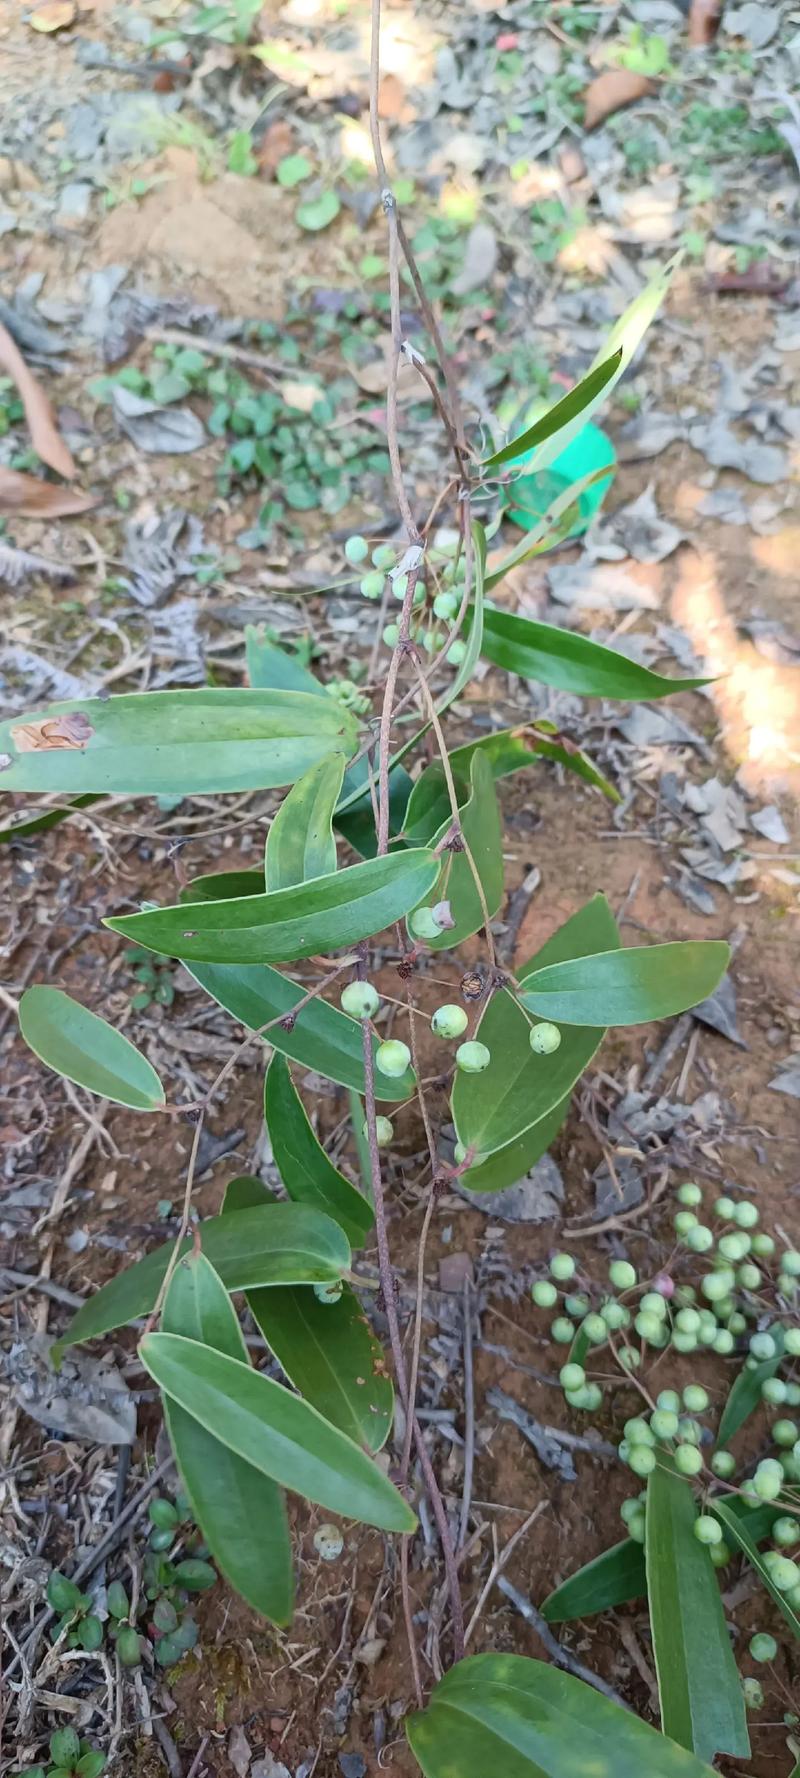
x: 76, y: 202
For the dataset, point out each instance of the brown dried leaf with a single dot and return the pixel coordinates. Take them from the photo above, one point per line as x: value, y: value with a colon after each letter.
x: 46, y: 438
x: 32, y: 499
x: 54, y: 15
x: 704, y: 22
x: 611, y: 92
x: 54, y: 734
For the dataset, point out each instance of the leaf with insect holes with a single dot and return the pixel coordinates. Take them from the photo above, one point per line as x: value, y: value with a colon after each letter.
x: 332, y: 912
x: 481, y: 831
x: 85, y: 1049
x: 523, y: 1719
x: 627, y: 987
x: 173, y: 743
x: 275, y: 1431
x: 327, y: 1350
x: 300, y: 842
x: 583, y: 397
x: 518, y: 1088
x: 570, y: 662
x: 699, y: 1689
x: 241, y: 1513
x: 279, y: 1244
x: 307, y: 1173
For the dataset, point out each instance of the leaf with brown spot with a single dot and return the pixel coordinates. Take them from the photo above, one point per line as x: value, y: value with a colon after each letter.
x: 70, y: 732
x: 46, y: 438
x: 611, y: 92
x: 29, y: 498
x: 53, y: 16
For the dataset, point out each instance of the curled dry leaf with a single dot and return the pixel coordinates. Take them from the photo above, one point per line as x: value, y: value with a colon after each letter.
x: 68, y: 733
x: 29, y: 498
x: 45, y: 436
x: 611, y: 92
x: 704, y: 22
x: 54, y: 15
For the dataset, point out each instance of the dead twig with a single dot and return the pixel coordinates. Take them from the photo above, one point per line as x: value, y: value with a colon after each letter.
x: 560, y: 1655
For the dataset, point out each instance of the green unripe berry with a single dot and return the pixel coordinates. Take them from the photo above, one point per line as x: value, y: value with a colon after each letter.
x: 562, y: 1267
x: 725, y: 1208
x: 472, y: 1058
x: 748, y: 1493
x: 723, y: 1342
x: 690, y: 1195
x: 356, y: 550
x: 384, y: 1130
x: 670, y: 1399
x: 768, y: 1479
x: 787, y: 1285
x: 784, y: 1432
x: 753, y: 1694
x: 384, y: 556
x: 731, y: 1248
x: 637, y: 1432
x: 737, y: 1323
x: 445, y: 605
x: 591, y: 1398
x: 654, y: 1303
x: 695, y: 1398
x: 637, y: 1529
x: 449, y: 1021
x: 723, y: 1464
x: 595, y: 1330
x: 773, y: 1392
x: 706, y: 1529
x: 749, y: 1276
x: 786, y: 1531
x: 688, y: 1460
x: 629, y: 1358
x: 763, y: 1647
x: 663, y: 1423
x: 684, y: 1342
x: 544, y: 1038
x: 793, y: 1395
x: 683, y: 1221
x: 630, y: 1508
x: 792, y: 1597
x: 790, y: 1466
x: 642, y: 1460
x: 615, y: 1316
x: 763, y: 1246
x: 707, y: 1334
x: 562, y: 1331
x: 791, y: 1341
x: 423, y: 924
x: 544, y: 1293
x: 746, y: 1214
x: 392, y: 1058
x: 371, y: 585
x: 720, y: 1554
x: 688, y: 1320
x: 572, y: 1376
x: 456, y: 652
x: 360, y: 1000
x: 724, y: 1308
x: 399, y: 587
x: 762, y: 1347
x: 650, y: 1327
x: 699, y: 1239
x: 622, y: 1274
x: 783, y: 1572
x: 790, y: 1262
x: 716, y: 1285
x: 576, y: 1305
x: 391, y: 635
x: 689, y: 1430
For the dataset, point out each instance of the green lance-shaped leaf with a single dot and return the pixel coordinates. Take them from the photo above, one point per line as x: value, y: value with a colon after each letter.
x: 275, y: 1431
x: 610, y: 1579
x: 300, y: 842
x: 321, y: 1037
x: 173, y: 743
x: 511, y: 750
x: 738, y: 1530
x: 570, y: 662
x: 241, y: 1513
x: 481, y: 828
x: 745, y: 1395
x: 272, y: 668
x: 578, y: 403
x: 474, y: 637
x: 628, y: 987
x: 87, y: 1050
x: 327, y: 1350
x: 509, y: 1715
x: 518, y: 1089
x: 309, y: 1176
x: 223, y: 885
x: 506, y: 1165
x: 554, y: 526
x: 280, y: 1244
x: 24, y: 824
x: 700, y: 1692
x: 332, y: 912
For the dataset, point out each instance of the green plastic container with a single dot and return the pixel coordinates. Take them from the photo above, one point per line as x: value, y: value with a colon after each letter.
x: 529, y: 497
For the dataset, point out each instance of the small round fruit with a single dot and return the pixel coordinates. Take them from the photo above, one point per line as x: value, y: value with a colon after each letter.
x: 695, y: 1398
x: 637, y: 1431
x: 716, y: 1285
x: 384, y: 556
x: 392, y: 1058
x: 399, y: 587
x: 328, y: 1542
x: 762, y: 1347
x: 749, y: 1276
x: 723, y: 1463
x: 725, y: 1208
x: 753, y: 1693
x: 688, y: 1320
x: 768, y: 1479
x: 615, y: 1316
x: 637, y: 1529
x: 654, y: 1304
x: 473, y: 1057
x: 423, y: 924
x: 683, y: 1221
x: 360, y: 1000
x: 544, y: 1293
x: 630, y: 1508
x: 562, y: 1267
x: 391, y: 635
x: 763, y: 1246
x: 595, y: 1330
x: 690, y: 1195
x: 763, y: 1647
x: 785, y: 1432
x: 642, y: 1460
x: 589, y: 1398
x: 629, y: 1358
x: 706, y: 1529
x: 746, y: 1214
x: 664, y: 1423
x: 622, y: 1274
x: 577, y: 1305
x: 690, y: 1431
x: 699, y: 1239
x: 737, y: 1323
x: 456, y: 652
x: 790, y: 1262
x: 445, y: 605
x: 356, y: 550
x: 668, y: 1398
x: 649, y: 1327
x: 684, y: 1342
x: 786, y: 1531
x: 384, y: 1131
x: 572, y: 1376
x: 791, y: 1340
x: 688, y: 1459
x: 720, y: 1554
x: 449, y: 1021
x: 773, y: 1391
x: 562, y: 1331
x: 784, y: 1573
x: 544, y: 1038
x: 371, y: 585
x: 733, y: 1246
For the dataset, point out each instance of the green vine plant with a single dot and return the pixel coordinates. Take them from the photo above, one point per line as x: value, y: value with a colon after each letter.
x: 427, y: 839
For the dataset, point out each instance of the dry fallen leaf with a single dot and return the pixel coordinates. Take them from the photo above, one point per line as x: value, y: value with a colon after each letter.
x: 54, y: 15
x: 611, y: 92
x: 301, y: 396
x: 32, y: 499
x: 45, y: 436
x: 54, y: 734
x: 704, y: 22
x: 277, y: 142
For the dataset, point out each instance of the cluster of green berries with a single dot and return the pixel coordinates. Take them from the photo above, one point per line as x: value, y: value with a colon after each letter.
x: 443, y: 556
